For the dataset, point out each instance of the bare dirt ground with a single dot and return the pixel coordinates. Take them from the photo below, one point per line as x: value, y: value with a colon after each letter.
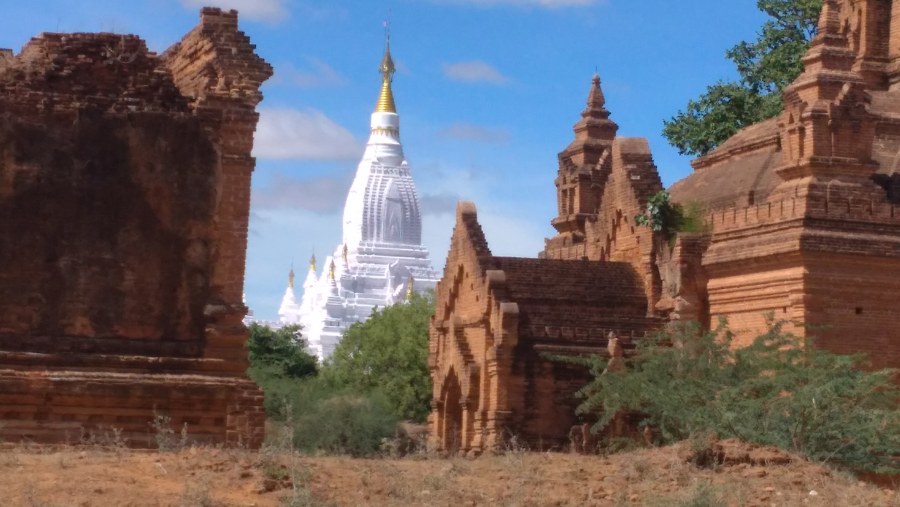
x: 95, y: 476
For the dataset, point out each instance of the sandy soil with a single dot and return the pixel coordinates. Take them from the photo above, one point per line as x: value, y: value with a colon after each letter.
x: 97, y: 476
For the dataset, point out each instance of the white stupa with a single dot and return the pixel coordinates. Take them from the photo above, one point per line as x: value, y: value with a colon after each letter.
x: 381, y: 259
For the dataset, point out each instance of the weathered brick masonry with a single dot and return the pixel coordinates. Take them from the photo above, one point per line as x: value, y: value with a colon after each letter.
x: 497, y: 321
x: 802, y: 222
x: 124, y: 205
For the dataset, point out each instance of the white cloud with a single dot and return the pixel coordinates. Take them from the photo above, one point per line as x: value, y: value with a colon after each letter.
x: 272, y: 11
x: 316, y: 73
x: 323, y: 194
x: 302, y: 135
x: 526, y: 3
x: 438, y: 204
x: 470, y: 132
x: 474, y: 71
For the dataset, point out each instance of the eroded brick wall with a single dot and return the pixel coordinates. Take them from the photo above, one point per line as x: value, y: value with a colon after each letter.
x: 124, y: 203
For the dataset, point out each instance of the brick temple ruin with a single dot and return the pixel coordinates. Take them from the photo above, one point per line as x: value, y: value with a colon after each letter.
x: 124, y: 206
x: 802, y: 221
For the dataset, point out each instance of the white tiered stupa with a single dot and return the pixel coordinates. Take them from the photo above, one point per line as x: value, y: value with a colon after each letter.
x: 381, y: 259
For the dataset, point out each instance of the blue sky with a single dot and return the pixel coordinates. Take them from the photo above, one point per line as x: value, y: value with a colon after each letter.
x: 487, y: 90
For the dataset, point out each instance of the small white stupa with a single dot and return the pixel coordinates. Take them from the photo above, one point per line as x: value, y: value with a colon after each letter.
x: 381, y: 260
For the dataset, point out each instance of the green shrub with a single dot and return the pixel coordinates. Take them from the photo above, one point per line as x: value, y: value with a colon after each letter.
x: 668, y: 218
x: 693, y: 217
x: 779, y: 391
x: 662, y: 215
x: 334, y: 421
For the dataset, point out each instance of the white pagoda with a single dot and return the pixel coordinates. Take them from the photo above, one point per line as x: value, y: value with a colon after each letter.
x: 381, y: 260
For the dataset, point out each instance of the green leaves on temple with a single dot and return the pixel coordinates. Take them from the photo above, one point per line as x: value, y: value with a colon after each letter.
x: 662, y: 215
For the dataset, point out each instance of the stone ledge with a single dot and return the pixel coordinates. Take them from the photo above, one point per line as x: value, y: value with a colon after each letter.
x: 75, y: 407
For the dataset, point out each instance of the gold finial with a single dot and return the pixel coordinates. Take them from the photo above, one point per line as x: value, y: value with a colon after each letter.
x: 291, y: 277
x: 331, y: 270
x: 312, y: 263
x: 409, y: 288
x: 344, y: 253
x: 387, y: 69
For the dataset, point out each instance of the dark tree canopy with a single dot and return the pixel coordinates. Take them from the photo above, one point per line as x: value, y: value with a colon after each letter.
x: 280, y: 352
x: 388, y: 353
x: 766, y: 66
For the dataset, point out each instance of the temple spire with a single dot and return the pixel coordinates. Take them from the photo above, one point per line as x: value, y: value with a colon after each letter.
x: 594, y: 125
x: 387, y: 69
x: 596, y: 101
x: 312, y: 262
x: 291, y: 277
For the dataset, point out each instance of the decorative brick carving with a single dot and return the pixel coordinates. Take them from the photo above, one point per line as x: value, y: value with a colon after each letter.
x: 124, y: 205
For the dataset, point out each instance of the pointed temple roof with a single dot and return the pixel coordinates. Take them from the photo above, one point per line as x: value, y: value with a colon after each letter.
x: 594, y: 132
x: 386, y: 97
x: 381, y: 247
x: 596, y: 102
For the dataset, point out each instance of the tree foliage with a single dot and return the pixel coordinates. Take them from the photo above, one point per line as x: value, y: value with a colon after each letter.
x: 779, y: 391
x: 766, y: 66
x: 333, y: 421
x: 389, y: 353
x: 281, y: 351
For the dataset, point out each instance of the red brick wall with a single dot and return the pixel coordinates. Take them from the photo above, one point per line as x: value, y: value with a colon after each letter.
x: 851, y: 305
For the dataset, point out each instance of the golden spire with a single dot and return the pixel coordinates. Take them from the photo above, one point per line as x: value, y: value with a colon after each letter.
x: 291, y: 277
x: 387, y: 69
x: 312, y: 263
x: 344, y: 253
x: 409, y: 288
x: 331, y: 270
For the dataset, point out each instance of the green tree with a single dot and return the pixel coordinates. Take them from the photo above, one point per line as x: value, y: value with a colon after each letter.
x: 388, y: 353
x: 765, y: 66
x: 779, y: 391
x: 282, y: 351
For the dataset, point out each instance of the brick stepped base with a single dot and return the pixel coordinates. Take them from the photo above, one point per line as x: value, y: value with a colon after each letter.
x: 122, y: 364
x: 71, y: 407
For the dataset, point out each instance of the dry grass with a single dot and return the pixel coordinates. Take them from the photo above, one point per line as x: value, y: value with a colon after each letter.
x: 274, y: 476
